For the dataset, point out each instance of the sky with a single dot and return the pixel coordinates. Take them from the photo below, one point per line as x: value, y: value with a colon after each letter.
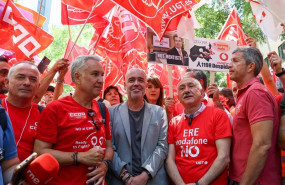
x: 55, y: 14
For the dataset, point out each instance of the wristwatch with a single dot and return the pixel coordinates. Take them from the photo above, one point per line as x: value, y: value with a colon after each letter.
x: 281, y: 73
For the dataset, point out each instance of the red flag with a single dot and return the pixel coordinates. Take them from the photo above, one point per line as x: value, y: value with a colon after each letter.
x: 161, y: 71
x: 232, y: 29
x: 74, y: 16
x: 102, y: 8
x: 156, y: 13
x: 124, y: 46
x: 77, y: 51
x: 21, y: 36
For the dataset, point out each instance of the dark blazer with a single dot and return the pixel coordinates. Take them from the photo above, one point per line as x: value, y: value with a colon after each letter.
x: 173, y: 51
x: 154, y: 145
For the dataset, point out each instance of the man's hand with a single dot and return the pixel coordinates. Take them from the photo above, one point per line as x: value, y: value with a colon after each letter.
x: 275, y: 62
x: 97, y: 175
x: 250, y: 41
x: 92, y: 157
x: 214, y: 90
x: 138, y: 180
x: 60, y: 64
x: 169, y: 104
x: 62, y: 72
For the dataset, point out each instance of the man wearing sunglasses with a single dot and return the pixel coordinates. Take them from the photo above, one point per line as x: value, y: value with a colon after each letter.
x: 73, y: 130
x: 140, y: 132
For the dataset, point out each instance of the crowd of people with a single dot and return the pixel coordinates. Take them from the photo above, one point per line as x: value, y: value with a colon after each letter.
x: 204, y: 136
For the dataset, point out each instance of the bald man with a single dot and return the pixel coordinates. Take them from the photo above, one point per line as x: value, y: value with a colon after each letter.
x: 139, y: 136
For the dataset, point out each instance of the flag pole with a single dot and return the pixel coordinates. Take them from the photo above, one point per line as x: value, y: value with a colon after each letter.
x: 107, y: 63
x: 170, y: 83
x: 39, y: 14
x: 93, y: 8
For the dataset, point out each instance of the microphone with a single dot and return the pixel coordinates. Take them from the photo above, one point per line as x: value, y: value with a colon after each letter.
x: 42, y: 170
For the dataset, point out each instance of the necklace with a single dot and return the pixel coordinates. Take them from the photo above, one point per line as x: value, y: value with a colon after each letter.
x: 25, y: 122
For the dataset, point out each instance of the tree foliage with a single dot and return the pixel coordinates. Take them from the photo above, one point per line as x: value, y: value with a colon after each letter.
x: 212, y: 17
x: 61, y: 36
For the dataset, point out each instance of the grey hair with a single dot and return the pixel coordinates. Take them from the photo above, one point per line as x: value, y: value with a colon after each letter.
x: 251, y: 55
x: 198, y: 84
x: 79, y: 63
x: 12, y: 69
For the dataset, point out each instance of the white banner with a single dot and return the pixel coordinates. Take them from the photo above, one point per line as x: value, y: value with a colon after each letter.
x: 210, y: 54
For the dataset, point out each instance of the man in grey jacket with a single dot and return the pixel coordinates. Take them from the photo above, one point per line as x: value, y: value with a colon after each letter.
x: 139, y: 137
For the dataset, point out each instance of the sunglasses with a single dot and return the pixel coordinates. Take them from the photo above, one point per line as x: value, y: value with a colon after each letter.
x: 91, y: 113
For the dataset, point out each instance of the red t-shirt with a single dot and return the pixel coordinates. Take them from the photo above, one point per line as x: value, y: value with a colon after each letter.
x: 66, y: 125
x: 179, y: 108
x: 255, y: 103
x: 24, y: 122
x: 195, y: 145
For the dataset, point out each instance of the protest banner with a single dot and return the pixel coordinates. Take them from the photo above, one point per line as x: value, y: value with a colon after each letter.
x: 210, y: 54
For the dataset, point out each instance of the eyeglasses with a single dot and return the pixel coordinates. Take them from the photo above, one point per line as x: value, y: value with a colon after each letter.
x: 91, y: 113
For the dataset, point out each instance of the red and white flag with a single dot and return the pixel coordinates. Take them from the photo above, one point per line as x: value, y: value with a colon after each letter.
x: 21, y: 36
x: 123, y: 46
x: 268, y: 15
x: 232, y: 30
x: 102, y: 6
x: 77, y: 51
x: 157, y: 13
x: 74, y: 16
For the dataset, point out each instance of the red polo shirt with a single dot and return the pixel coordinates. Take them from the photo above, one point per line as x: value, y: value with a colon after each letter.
x: 255, y: 103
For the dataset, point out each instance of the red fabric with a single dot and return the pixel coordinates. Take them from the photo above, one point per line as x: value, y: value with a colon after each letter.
x: 250, y: 110
x: 206, y: 128
x: 232, y: 29
x: 123, y: 48
x: 179, y: 108
x: 29, y: 39
x: 65, y: 123
x: 101, y: 8
x: 77, y: 51
x: 2, y: 96
x: 161, y: 71
x: 75, y: 16
x: 18, y: 117
x: 156, y: 13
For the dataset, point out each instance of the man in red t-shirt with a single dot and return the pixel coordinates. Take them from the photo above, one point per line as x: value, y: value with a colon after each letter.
x: 72, y: 129
x: 255, y: 157
x: 23, y: 83
x: 199, y: 139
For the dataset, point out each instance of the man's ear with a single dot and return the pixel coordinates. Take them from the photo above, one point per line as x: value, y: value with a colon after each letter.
x: 77, y: 78
x: 6, y: 82
x: 251, y: 67
x: 203, y: 93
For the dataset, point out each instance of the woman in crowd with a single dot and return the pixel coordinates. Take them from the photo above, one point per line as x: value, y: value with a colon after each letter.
x: 113, y: 95
x: 154, y: 91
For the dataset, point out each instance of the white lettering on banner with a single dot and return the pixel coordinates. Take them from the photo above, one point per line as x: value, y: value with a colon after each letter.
x: 30, y: 40
x: 23, y: 34
x: 8, y: 17
x: 33, y: 177
x: 125, y: 18
x: 26, y: 42
x: 232, y: 34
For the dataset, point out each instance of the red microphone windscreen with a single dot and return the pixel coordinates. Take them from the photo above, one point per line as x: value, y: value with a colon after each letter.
x: 41, y: 170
